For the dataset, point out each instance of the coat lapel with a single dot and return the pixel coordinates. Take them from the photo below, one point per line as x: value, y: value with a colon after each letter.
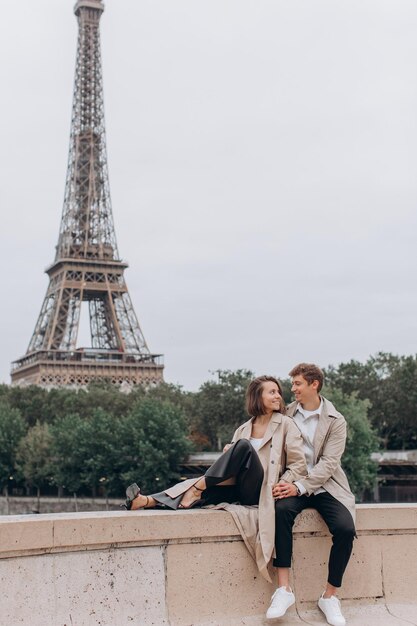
x: 271, y: 428
x: 322, y: 426
x: 291, y: 408
x: 321, y: 431
x: 246, y: 430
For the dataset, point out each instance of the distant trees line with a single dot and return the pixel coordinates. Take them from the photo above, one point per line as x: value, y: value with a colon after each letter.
x: 100, y: 439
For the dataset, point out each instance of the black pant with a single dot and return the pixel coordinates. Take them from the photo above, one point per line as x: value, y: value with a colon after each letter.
x: 241, y: 462
x: 338, y: 519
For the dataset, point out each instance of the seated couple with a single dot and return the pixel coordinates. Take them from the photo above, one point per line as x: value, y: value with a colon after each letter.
x: 284, y: 460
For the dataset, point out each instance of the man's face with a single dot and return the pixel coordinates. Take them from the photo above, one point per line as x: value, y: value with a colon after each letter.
x: 303, y: 391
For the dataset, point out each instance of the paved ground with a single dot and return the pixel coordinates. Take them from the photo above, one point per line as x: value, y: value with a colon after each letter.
x: 356, y: 614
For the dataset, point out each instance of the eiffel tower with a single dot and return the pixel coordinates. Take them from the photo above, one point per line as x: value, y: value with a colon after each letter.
x: 87, y: 266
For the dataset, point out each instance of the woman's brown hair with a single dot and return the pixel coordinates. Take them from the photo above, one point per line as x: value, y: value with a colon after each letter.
x: 254, y: 404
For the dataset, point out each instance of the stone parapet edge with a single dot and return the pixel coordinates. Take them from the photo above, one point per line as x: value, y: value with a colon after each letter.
x: 27, y: 535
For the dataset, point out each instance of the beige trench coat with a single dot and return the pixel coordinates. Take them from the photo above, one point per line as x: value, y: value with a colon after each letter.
x: 329, y: 444
x: 281, y: 454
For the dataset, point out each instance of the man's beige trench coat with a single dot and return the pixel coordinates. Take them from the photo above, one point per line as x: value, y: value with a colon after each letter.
x: 329, y: 445
x: 281, y: 454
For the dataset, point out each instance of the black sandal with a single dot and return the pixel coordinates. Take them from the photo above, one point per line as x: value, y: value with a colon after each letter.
x: 198, y: 502
x: 132, y: 492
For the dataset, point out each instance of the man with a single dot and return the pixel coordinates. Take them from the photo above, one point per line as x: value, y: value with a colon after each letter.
x: 325, y: 489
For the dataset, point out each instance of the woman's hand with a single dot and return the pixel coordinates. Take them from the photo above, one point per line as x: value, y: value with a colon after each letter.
x: 283, y: 490
x: 227, y: 446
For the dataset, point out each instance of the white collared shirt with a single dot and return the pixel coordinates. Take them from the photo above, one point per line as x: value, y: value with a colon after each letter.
x: 307, y: 422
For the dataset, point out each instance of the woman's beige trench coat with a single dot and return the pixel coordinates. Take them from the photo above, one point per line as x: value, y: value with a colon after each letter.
x: 281, y: 454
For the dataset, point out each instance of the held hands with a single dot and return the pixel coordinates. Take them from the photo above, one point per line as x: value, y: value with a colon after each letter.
x: 283, y: 490
x: 227, y: 446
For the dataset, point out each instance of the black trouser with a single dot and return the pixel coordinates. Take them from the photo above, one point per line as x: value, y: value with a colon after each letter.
x: 241, y: 461
x: 338, y: 519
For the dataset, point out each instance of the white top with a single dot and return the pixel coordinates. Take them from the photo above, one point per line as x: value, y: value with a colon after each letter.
x: 256, y: 443
x: 307, y: 422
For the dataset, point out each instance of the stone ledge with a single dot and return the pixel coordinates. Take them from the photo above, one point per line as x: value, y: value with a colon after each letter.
x: 124, y: 568
x: 21, y: 533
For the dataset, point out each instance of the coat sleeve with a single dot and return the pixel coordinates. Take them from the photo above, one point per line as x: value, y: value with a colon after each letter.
x: 330, y: 457
x: 296, y: 467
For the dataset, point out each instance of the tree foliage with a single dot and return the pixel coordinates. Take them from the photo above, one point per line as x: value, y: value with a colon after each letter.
x: 33, y: 455
x: 108, y: 452
x: 361, y: 440
x: 220, y: 406
x: 389, y: 383
x: 153, y: 442
x: 12, y: 429
x: 68, y: 452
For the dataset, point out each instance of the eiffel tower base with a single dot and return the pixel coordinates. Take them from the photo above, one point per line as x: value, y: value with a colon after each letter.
x: 79, y: 368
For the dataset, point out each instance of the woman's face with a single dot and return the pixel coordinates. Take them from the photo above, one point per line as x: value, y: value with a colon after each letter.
x: 271, y: 398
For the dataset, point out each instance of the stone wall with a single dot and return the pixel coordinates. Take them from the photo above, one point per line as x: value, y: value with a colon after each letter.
x: 15, y: 505
x: 191, y: 568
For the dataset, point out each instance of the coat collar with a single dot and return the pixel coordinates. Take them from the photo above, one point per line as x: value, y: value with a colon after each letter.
x: 327, y: 415
x: 275, y: 420
x: 328, y: 409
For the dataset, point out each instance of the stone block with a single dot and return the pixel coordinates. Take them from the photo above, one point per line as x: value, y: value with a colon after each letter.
x: 113, y: 587
x: 362, y: 578
x: 24, y: 533
x: 400, y: 568
x: 213, y: 582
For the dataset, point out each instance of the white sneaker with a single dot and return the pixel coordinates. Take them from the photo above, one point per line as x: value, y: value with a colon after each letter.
x: 331, y: 609
x: 281, y: 601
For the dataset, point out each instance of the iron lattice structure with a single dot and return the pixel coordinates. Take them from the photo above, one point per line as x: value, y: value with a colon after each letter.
x: 87, y: 266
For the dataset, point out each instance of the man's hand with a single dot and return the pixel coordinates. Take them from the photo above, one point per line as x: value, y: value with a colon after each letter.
x: 283, y: 490
x: 227, y: 446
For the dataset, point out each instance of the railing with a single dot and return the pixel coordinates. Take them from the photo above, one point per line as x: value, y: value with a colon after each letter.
x: 87, y: 355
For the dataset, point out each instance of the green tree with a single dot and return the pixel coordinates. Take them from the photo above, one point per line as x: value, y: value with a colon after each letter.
x: 361, y: 440
x: 219, y: 406
x: 83, y: 402
x: 100, y: 451
x: 67, y: 453
x: 109, y: 452
x: 389, y: 382
x: 5, y: 392
x: 401, y: 414
x: 286, y: 390
x: 153, y: 440
x: 30, y: 401
x: 12, y: 429
x: 62, y: 402
x: 85, y: 452
x: 174, y: 394
x: 33, y: 457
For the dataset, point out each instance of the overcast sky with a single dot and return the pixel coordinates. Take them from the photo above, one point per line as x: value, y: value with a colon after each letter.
x: 262, y: 160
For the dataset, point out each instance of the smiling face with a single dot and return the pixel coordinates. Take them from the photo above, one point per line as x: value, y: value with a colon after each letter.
x: 305, y: 393
x: 264, y: 396
x: 271, y: 397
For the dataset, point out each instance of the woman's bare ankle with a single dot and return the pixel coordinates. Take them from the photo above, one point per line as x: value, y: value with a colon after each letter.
x: 200, y: 485
x: 142, y: 502
x: 193, y: 494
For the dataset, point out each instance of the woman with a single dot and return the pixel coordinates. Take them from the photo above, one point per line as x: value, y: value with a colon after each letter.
x: 264, y: 450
